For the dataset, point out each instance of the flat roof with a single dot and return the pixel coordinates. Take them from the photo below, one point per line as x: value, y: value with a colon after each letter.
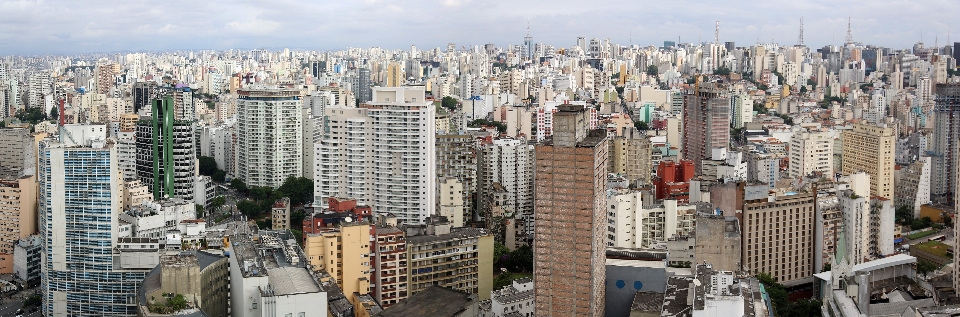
x: 899, y: 259
x: 292, y: 280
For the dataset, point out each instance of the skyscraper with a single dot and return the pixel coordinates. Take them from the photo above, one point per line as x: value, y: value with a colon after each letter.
x: 269, y: 136
x: 82, y: 274
x: 383, y: 154
x: 706, y: 122
x: 165, y: 153
x: 571, y: 220
x: 143, y: 95
x: 363, y: 89
x: 871, y: 149
x: 394, y: 75
x: 946, y: 132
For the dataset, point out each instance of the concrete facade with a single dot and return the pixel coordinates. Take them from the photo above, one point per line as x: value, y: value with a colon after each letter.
x: 871, y: 149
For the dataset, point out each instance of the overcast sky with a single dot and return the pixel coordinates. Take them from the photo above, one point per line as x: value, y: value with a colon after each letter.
x: 29, y: 27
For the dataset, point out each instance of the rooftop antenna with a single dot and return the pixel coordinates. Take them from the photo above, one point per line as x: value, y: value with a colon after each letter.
x: 716, y: 34
x: 849, y: 31
x: 800, y: 39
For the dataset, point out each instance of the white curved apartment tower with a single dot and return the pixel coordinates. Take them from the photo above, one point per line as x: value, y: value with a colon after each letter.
x: 269, y: 136
x: 383, y: 154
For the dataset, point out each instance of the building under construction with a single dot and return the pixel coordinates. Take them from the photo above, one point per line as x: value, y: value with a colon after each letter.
x: 571, y: 222
x: 943, y: 148
x: 706, y: 122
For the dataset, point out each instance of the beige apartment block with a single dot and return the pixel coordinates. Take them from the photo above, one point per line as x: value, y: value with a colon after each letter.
x: 871, y: 149
x: 457, y: 258
x: 18, y: 216
x: 389, y: 284
x: 344, y: 253
x: 571, y: 220
x: 778, y: 236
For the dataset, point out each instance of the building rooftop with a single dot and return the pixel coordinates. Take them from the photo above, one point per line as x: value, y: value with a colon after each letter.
x: 455, y: 234
x: 435, y: 301
x: 289, y: 281
x: 647, y: 302
x: 260, y: 251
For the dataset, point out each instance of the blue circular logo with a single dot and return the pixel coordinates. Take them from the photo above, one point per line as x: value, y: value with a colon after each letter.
x: 621, y: 284
x: 637, y: 285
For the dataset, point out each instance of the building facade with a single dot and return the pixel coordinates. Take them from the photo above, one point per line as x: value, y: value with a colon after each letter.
x: 871, y: 149
x: 166, y: 157
x: 269, y: 136
x: 778, y: 236
x: 457, y: 158
x: 706, y: 122
x: 506, y: 163
x: 569, y: 201
x: 18, y: 207
x: 811, y: 151
x: 383, y: 154
x: 943, y: 145
x: 458, y: 258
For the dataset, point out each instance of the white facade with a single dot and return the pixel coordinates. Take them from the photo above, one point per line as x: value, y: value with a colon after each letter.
x: 269, y: 136
x: 514, y: 298
x: 451, y: 200
x: 811, y: 151
x: 868, y: 225
x: 633, y: 226
x: 154, y: 219
x: 384, y: 154
x: 508, y: 162
x: 742, y: 107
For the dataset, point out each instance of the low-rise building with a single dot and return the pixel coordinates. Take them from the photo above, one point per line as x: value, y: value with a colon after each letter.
x: 344, y: 253
x: 26, y: 260
x: 201, y: 278
x: 390, y: 276
x: 713, y: 293
x: 459, y: 258
x: 154, y: 219
x: 270, y: 276
x: 633, y: 223
x: 280, y: 214
x: 435, y: 301
x: 515, y: 299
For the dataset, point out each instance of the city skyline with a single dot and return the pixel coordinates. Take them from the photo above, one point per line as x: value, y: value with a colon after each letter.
x: 46, y: 27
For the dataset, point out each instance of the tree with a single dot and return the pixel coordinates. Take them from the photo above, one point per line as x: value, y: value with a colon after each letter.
x: 499, y: 250
x: 219, y: 176
x: 449, y: 103
x: 297, y: 217
x: 261, y: 193
x: 642, y: 126
x: 31, y: 115
x: 724, y: 71
x: 924, y: 267
x: 54, y: 113
x: 926, y: 221
x: 238, y: 184
x: 652, y: 70
x: 199, y: 210
x: 904, y: 215
x: 803, y: 89
x: 208, y: 166
x: 947, y: 219
x: 218, y: 202
x: 299, y: 189
x: 481, y: 122
x: 248, y: 208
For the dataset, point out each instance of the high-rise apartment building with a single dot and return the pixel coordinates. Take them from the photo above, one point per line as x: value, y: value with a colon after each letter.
x: 18, y: 205
x: 630, y: 156
x: 106, y: 77
x: 457, y: 158
x: 778, y: 235
x: 706, y: 122
x: 633, y: 223
x: 166, y: 158
x: 269, y: 136
x: 913, y: 185
x: 871, y: 149
x: 866, y: 222
x: 507, y: 163
x: 363, y: 89
x: 394, y: 75
x: 811, y: 151
x: 571, y: 219
x: 143, y: 95
x: 945, y: 141
x: 383, y: 154
x: 17, y: 150
x: 83, y: 274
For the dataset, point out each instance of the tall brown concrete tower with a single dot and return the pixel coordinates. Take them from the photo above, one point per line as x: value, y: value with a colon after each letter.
x: 570, y: 214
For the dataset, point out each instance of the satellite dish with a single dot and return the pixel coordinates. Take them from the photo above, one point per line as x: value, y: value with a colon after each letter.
x: 347, y: 219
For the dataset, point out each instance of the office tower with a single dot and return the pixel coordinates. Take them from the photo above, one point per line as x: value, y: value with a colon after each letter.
x: 383, y: 154
x: 528, y: 45
x: 630, y: 156
x: 143, y: 95
x: 811, y: 151
x: 505, y: 166
x: 457, y: 159
x: 317, y: 68
x: 571, y: 220
x: 946, y: 133
x: 269, y: 136
x: 166, y: 158
x: 364, y: 89
x: 388, y: 284
x: 269, y: 276
x: 394, y: 75
x: 466, y: 263
x: 18, y: 205
x: 79, y: 201
x: 778, y: 235
x: 706, y: 122
x: 871, y: 149
x: 344, y: 253
x: 742, y: 107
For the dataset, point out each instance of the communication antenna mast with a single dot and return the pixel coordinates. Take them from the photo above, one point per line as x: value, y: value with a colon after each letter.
x: 849, y: 31
x: 716, y: 34
x: 800, y: 39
